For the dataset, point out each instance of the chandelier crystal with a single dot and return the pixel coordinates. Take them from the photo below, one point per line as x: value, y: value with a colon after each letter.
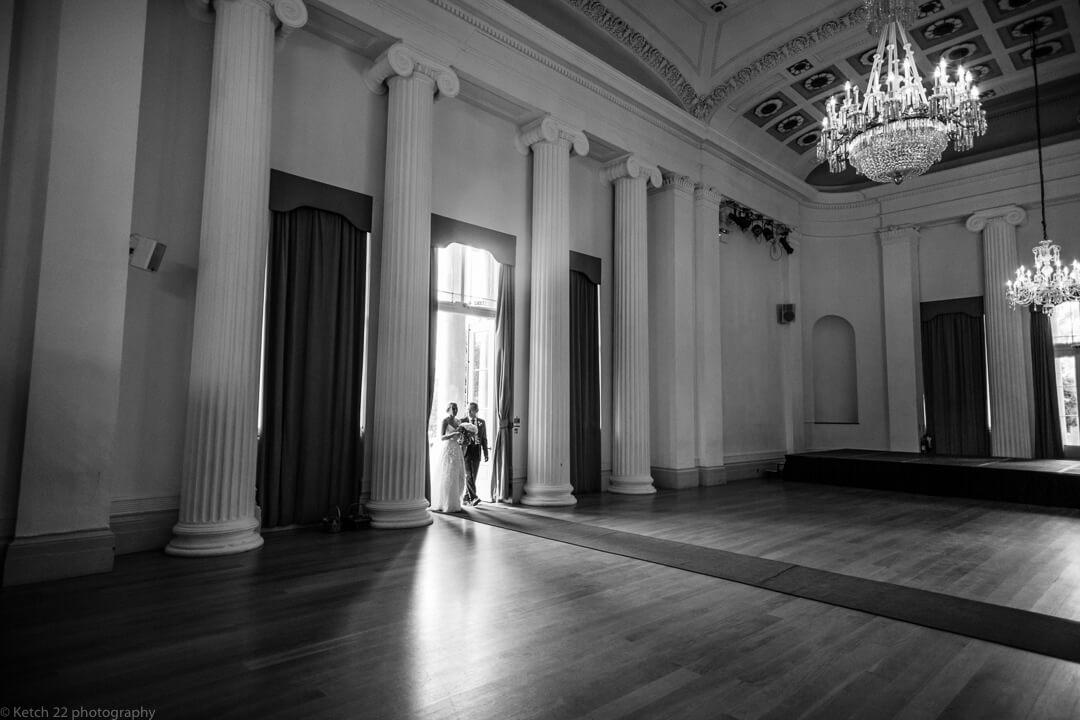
x: 896, y: 131
x: 1051, y: 283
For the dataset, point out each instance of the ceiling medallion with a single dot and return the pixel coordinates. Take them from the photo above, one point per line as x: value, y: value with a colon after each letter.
x: 895, y: 131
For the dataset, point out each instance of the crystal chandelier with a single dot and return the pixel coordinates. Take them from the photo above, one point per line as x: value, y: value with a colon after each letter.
x: 1050, y: 283
x: 895, y: 131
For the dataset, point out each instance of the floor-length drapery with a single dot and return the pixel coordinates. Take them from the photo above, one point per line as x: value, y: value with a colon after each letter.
x: 584, y: 400
x: 1047, y: 419
x: 502, y: 475
x: 954, y: 381
x: 310, y: 446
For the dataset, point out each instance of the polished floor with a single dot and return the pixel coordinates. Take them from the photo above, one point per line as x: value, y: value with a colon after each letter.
x: 467, y: 620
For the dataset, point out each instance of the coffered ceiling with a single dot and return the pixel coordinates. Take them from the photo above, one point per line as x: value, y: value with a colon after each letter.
x: 761, y: 71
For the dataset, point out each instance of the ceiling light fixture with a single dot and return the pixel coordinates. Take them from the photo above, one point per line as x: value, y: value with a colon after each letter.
x: 1051, y: 283
x: 895, y: 131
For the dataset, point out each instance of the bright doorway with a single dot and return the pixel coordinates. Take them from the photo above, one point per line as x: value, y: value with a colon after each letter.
x: 467, y: 293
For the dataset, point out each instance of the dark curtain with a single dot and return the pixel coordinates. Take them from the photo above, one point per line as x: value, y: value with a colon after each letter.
x: 584, y: 385
x: 310, y: 448
x: 954, y: 381
x: 1047, y: 418
x: 502, y: 475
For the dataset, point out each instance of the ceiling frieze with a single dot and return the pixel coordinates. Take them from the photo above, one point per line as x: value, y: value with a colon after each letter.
x: 634, y: 41
x: 707, y: 105
x: 704, y: 106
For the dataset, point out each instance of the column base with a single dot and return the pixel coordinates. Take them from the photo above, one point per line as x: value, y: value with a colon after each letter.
x: 398, y: 514
x: 632, y: 485
x: 209, y: 539
x: 548, y: 495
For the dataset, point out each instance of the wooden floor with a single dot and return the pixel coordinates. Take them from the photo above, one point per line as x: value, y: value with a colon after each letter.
x: 464, y: 620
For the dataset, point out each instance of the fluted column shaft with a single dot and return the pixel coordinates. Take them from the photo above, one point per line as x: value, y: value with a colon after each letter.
x: 548, y: 481
x: 398, y: 441
x: 1010, y: 422
x: 217, y: 495
x: 630, y: 456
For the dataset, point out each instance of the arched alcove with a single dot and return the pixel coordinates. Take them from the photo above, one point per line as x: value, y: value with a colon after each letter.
x: 836, y: 389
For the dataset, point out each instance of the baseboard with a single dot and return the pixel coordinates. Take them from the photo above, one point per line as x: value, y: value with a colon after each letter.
x: 139, y: 532
x: 61, y: 555
x: 712, y: 476
x: 672, y: 479
x: 7, y: 533
x: 751, y: 469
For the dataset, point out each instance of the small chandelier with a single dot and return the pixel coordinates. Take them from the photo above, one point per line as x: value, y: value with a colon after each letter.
x: 896, y: 131
x: 1051, y: 283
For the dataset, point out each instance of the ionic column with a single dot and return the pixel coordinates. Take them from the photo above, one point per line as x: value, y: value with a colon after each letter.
x: 630, y: 457
x: 903, y: 338
x: 708, y: 398
x: 398, y: 441
x: 1010, y: 425
x: 551, y: 142
x: 218, y: 515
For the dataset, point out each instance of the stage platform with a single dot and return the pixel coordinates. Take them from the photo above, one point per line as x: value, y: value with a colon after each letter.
x: 1054, y: 483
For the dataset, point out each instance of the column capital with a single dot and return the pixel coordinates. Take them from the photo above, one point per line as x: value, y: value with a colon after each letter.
x: 290, y: 14
x: 630, y: 166
x: 707, y: 194
x: 896, y: 234
x: 549, y: 129
x: 404, y: 61
x: 672, y: 181
x: 1012, y: 214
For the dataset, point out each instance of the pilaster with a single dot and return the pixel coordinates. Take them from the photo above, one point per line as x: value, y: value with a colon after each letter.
x: 903, y: 338
x: 1006, y: 359
x: 673, y: 343
x: 551, y: 142
x: 398, y: 442
x: 631, y: 419
x: 709, y: 397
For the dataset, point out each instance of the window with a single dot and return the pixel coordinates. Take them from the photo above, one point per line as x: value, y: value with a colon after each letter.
x: 1065, y: 325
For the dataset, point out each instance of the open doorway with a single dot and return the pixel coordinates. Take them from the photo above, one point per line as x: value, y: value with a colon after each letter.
x: 467, y: 293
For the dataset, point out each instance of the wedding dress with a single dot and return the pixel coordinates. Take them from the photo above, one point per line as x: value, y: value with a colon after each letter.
x: 447, y: 476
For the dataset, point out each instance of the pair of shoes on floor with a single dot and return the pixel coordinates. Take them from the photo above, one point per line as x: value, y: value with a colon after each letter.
x: 475, y: 501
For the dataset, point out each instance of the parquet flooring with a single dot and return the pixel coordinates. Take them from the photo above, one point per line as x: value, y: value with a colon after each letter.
x: 464, y: 620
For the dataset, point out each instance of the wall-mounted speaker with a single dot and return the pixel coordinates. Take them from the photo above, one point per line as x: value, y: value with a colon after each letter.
x: 145, y: 254
x: 785, y: 313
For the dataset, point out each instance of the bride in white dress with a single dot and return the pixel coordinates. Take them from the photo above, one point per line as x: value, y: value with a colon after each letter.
x: 448, y: 466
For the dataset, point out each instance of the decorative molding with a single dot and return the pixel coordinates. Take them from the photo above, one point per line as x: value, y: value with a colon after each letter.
x: 136, y: 506
x: 59, y: 555
x: 549, y: 129
x: 561, y: 68
x: 675, y: 479
x: 1012, y: 214
x: 142, y: 530
x: 404, y: 61
x: 707, y: 194
x: 634, y: 41
x: 707, y: 105
x: 675, y: 181
x: 896, y: 234
x: 630, y: 166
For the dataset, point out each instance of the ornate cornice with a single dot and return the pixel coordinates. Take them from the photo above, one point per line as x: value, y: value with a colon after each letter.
x: 630, y: 166
x: 707, y: 104
x: 619, y: 29
x: 704, y: 106
x: 674, y: 181
x: 707, y: 194
x: 895, y: 234
x: 1012, y: 214
x: 548, y: 129
x: 404, y: 61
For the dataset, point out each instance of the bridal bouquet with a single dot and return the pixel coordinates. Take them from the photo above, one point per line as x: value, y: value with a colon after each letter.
x: 467, y: 433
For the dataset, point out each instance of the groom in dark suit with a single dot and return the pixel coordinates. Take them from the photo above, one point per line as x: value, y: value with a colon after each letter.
x: 475, y: 444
